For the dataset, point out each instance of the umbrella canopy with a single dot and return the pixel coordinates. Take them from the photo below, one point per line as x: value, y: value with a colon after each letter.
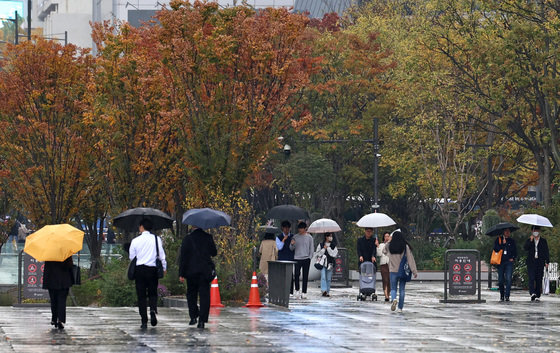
x: 268, y: 229
x: 375, y: 220
x: 287, y: 212
x: 206, y: 218
x: 324, y: 225
x: 130, y: 219
x: 535, y: 220
x: 55, y: 242
x: 500, y: 227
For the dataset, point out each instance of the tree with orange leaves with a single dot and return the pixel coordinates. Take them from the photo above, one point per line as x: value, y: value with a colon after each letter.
x: 42, y: 87
x: 137, y: 148
x: 235, y: 78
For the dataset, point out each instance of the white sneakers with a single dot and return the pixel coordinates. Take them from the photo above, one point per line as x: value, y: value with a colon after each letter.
x: 303, y: 295
x: 399, y: 311
x: 394, y: 305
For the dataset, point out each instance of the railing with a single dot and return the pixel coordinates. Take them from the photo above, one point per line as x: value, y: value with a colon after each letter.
x: 9, y: 264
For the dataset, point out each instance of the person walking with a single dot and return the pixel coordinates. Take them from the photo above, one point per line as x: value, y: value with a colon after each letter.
x: 366, y: 247
x: 57, y: 279
x: 537, y: 260
x: 396, y: 250
x: 268, y: 252
x: 505, y: 269
x: 384, y: 265
x: 143, y: 248
x: 283, y: 245
x: 302, y: 245
x: 327, y: 247
x: 197, y: 268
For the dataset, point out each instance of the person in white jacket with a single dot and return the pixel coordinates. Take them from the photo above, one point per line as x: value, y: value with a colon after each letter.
x: 327, y: 247
x: 384, y: 265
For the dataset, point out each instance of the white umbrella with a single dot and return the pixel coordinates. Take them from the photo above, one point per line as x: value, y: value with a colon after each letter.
x: 324, y: 225
x: 535, y: 220
x: 375, y: 220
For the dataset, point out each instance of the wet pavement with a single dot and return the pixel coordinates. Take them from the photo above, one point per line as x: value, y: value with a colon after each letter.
x: 316, y: 324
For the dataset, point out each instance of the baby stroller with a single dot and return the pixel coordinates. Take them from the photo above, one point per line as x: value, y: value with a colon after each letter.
x: 367, y: 281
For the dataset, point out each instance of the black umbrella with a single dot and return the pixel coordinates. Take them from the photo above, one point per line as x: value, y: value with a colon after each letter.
x: 129, y: 220
x: 499, y: 228
x: 206, y: 218
x: 287, y: 212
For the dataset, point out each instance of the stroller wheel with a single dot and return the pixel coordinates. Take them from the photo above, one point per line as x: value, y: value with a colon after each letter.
x: 374, y: 297
x: 358, y: 298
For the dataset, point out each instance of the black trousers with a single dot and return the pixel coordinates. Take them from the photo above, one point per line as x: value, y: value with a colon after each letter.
x: 58, y: 304
x: 536, y: 273
x: 197, y: 285
x: 146, y: 280
x: 302, y: 265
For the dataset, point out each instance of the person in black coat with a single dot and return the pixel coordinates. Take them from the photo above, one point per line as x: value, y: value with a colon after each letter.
x: 57, y: 278
x: 366, y: 247
x: 196, y: 266
x: 537, y: 260
x: 505, y: 269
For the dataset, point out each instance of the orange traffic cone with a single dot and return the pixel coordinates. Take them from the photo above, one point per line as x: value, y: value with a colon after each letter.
x: 215, y: 300
x: 254, y: 297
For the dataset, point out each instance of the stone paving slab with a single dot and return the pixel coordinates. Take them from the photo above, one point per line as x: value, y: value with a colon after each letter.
x: 317, y: 324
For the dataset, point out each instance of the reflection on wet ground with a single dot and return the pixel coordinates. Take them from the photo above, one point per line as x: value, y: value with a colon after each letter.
x: 318, y: 324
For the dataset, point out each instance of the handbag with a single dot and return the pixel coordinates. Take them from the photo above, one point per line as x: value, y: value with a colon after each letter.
x: 159, y: 265
x: 496, y: 257
x: 320, y: 261
x: 131, y: 269
x: 405, y: 273
x: 76, y: 275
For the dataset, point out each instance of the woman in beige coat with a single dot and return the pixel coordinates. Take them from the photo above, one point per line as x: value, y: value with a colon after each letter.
x: 395, y: 249
x: 268, y: 252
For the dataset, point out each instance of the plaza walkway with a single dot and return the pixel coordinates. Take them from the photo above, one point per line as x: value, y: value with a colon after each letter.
x: 317, y: 324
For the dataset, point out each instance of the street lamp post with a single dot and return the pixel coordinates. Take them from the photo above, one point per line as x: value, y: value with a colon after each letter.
x: 376, y: 156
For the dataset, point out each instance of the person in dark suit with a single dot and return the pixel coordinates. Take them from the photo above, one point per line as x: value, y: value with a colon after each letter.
x: 366, y: 247
x: 57, y: 278
x: 196, y: 266
x: 537, y: 260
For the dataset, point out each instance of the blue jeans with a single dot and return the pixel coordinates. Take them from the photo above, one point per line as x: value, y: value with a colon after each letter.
x: 326, y: 277
x: 505, y: 274
x: 402, y: 283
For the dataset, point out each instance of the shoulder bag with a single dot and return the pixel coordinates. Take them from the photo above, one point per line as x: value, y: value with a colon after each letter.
x: 404, y: 269
x: 76, y: 273
x: 159, y: 265
x: 496, y: 257
x: 131, y: 269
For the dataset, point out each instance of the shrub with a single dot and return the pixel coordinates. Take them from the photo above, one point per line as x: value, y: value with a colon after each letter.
x: 115, y: 288
x: 234, y: 263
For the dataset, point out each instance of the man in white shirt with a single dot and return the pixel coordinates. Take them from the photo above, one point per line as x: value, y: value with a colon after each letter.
x: 143, y: 247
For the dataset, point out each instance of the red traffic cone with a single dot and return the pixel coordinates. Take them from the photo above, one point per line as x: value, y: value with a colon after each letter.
x: 254, y: 297
x: 215, y: 300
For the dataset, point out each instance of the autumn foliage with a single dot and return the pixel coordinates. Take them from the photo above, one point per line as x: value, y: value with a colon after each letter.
x: 235, y: 78
x: 42, y: 90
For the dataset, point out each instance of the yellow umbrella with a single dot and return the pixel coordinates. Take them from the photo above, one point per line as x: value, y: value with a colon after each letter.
x: 55, y: 242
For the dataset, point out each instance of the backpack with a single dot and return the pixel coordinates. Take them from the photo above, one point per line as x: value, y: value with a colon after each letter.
x: 404, y: 269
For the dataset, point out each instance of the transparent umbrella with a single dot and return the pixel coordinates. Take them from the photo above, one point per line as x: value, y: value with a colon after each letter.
x: 375, y: 220
x: 324, y: 225
x: 535, y: 220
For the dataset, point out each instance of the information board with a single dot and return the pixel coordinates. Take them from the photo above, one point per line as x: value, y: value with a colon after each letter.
x: 462, y: 273
x: 33, y: 278
x: 340, y: 270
